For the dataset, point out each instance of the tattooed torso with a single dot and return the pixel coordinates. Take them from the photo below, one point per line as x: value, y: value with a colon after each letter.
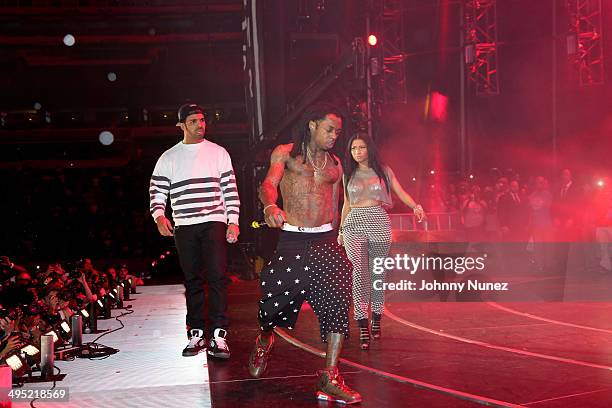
x: 310, y: 198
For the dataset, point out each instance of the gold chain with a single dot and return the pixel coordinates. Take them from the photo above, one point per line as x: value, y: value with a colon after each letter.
x: 316, y: 168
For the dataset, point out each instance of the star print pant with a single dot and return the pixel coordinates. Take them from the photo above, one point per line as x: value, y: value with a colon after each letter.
x: 367, y: 235
x: 306, y: 267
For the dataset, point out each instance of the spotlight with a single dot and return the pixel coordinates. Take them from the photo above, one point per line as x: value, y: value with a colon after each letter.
x: 111, y: 76
x: 69, y: 40
x: 31, y: 355
x: 372, y: 40
x: 60, y: 333
x: 414, y: 179
x: 17, y: 364
x: 106, y: 138
x: 439, y: 106
x: 127, y: 288
x: 471, y: 176
x: 432, y: 172
x: 105, y: 308
x: 65, y: 327
x: 56, y: 338
x: 30, y: 350
x: 37, y: 106
x: 600, y: 183
x: 91, y: 325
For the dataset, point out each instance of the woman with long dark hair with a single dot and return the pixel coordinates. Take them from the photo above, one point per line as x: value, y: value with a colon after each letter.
x: 365, y: 226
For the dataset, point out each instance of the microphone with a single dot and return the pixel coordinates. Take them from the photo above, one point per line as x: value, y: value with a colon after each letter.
x: 258, y: 224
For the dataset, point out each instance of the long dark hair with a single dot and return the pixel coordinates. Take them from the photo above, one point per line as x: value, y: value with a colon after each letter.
x: 373, y: 160
x: 301, y: 133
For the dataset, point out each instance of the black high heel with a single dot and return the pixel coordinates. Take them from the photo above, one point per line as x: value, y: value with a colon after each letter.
x: 376, y: 331
x: 364, y: 334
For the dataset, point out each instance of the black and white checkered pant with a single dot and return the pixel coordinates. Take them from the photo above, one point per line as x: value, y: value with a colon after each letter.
x: 367, y: 235
x: 311, y: 267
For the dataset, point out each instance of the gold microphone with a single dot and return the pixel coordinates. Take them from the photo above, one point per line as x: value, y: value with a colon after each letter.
x: 258, y: 224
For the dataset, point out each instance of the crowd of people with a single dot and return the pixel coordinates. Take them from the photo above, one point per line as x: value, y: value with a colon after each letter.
x: 507, y: 208
x: 34, y: 302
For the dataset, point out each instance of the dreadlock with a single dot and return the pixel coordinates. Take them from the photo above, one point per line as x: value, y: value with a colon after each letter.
x: 301, y: 133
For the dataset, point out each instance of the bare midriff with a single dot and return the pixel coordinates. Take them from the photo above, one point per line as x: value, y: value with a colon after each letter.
x: 367, y: 203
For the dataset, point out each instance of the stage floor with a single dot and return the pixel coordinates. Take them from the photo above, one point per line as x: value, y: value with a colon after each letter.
x: 148, y: 371
x: 533, y: 354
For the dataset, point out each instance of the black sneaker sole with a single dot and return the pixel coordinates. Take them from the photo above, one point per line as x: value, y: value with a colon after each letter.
x: 223, y: 356
x: 192, y: 353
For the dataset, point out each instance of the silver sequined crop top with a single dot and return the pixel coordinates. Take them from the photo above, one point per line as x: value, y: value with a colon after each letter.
x: 366, y: 185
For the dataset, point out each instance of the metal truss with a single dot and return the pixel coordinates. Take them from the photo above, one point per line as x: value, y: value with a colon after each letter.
x: 585, y: 41
x: 394, y: 87
x: 480, y: 20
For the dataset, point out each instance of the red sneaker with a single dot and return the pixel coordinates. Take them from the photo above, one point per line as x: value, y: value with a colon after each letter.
x: 331, y: 387
x: 258, y: 360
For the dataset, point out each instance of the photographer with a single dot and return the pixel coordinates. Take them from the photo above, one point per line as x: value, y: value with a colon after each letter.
x: 124, y: 274
x: 12, y: 343
x: 55, y: 301
x: 11, y: 267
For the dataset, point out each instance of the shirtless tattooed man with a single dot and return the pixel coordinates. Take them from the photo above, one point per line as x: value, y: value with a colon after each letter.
x: 308, y: 264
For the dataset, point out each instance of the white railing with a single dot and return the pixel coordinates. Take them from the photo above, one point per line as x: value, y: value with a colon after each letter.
x: 440, y: 221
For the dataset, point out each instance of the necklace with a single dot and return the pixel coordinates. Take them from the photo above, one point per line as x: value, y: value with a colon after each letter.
x: 317, y: 169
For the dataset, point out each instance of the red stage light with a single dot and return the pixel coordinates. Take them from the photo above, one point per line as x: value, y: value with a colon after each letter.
x: 372, y: 40
x: 439, y: 106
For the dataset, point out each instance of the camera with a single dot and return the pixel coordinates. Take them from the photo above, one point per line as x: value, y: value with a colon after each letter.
x: 75, y: 269
x: 10, y: 313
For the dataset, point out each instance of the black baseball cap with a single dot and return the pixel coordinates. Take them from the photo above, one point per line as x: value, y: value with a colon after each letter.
x: 188, y: 109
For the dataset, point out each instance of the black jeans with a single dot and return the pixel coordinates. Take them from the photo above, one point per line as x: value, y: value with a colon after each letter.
x: 202, y: 247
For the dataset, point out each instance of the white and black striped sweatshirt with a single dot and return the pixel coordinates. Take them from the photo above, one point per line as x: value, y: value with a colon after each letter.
x: 200, y: 181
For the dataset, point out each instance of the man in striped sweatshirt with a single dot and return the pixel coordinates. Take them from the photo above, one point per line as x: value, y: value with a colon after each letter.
x: 198, y: 176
